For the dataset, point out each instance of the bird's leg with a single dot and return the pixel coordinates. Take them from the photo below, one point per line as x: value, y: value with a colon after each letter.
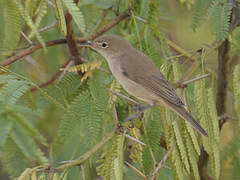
x: 140, y: 109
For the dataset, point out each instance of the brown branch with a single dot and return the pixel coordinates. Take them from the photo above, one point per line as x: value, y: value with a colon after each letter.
x: 71, y: 39
x: 33, y: 48
x: 85, y: 156
x: 125, y: 15
x: 186, y: 83
x: 30, y: 50
x: 161, y: 163
x: 136, y: 170
x: 51, y: 169
x: 222, y: 80
x: 53, y: 78
x: 83, y: 172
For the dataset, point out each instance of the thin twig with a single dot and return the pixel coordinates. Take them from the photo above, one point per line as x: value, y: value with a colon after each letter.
x: 195, y: 79
x: 53, y: 78
x: 72, y: 45
x: 161, y: 163
x: 123, y: 96
x: 115, y: 116
x: 226, y: 117
x: 140, y: 19
x: 64, y: 71
x: 51, y: 169
x: 83, y: 172
x: 30, y: 50
x: 33, y: 48
x: 51, y: 4
x: 53, y: 25
x: 25, y: 36
x: 193, y: 67
x: 136, y: 170
x: 125, y: 15
x: 85, y: 156
x: 186, y: 83
x: 135, y: 140
x: 180, y: 50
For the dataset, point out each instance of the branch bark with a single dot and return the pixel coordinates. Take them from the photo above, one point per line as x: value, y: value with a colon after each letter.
x: 53, y: 78
x: 71, y: 40
x: 222, y: 81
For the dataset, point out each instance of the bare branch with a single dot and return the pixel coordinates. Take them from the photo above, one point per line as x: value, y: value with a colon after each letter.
x: 125, y: 15
x: 51, y: 4
x: 186, y: 83
x: 83, y: 172
x: 85, y: 156
x: 115, y: 116
x: 53, y: 78
x: 30, y: 50
x: 194, y: 79
x: 33, y: 48
x: 226, y: 117
x: 135, y: 140
x: 123, y: 96
x: 136, y: 170
x: 53, y: 25
x: 51, y: 170
x: 25, y: 36
x: 161, y: 163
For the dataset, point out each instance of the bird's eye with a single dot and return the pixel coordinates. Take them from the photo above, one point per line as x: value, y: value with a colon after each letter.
x: 104, y: 45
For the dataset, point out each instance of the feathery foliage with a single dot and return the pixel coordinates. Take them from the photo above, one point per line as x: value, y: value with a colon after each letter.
x: 208, y: 119
x: 41, y: 12
x: 86, y: 68
x: 136, y: 148
x: 61, y: 17
x: 12, y: 25
x: 25, y: 15
x: 219, y: 14
x: 111, y: 163
x: 71, y: 113
x: 236, y: 91
x: 199, y: 10
x: 76, y: 14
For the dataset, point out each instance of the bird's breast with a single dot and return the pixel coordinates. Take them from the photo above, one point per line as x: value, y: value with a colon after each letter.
x: 129, y: 85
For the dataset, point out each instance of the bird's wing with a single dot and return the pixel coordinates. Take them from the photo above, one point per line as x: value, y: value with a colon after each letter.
x: 149, y: 76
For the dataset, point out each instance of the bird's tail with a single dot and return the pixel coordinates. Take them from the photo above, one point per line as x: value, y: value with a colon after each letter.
x: 188, y: 117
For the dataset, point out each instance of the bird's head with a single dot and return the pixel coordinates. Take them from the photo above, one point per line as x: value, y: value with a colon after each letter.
x: 109, y: 45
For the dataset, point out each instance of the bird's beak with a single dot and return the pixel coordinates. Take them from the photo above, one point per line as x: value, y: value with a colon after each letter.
x: 85, y: 44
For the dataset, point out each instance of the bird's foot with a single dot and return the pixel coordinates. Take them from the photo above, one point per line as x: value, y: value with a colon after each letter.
x: 140, y: 110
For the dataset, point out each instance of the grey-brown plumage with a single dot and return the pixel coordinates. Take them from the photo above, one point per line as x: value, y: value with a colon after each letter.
x: 139, y: 76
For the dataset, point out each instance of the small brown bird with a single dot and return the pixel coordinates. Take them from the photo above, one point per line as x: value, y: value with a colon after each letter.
x: 139, y: 76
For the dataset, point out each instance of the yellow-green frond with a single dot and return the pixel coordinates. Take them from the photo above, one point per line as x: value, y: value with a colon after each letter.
x: 111, y: 167
x: 236, y: 91
x: 86, y: 68
x: 61, y: 17
x: 136, y: 148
